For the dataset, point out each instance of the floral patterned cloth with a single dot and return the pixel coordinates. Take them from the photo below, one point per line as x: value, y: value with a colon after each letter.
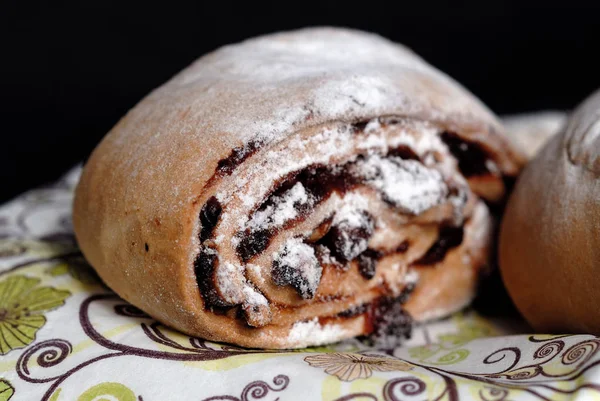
x: 65, y: 336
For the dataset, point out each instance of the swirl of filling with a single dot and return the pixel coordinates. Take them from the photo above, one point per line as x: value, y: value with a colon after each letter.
x: 346, y: 221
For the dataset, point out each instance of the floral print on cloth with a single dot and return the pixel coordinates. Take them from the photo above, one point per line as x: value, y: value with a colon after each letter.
x: 65, y: 336
x: 349, y: 367
x: 22, y: 304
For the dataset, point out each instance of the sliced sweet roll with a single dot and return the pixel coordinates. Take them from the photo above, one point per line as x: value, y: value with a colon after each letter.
x: 298, y: 189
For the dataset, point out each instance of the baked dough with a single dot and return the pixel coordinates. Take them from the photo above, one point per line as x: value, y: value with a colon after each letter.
x: 550, y: 237
x: 297, y: 189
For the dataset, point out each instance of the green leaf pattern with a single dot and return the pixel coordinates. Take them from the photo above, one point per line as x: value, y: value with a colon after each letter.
x: 22, y: 306
x: 6, y: 390
x: 108, y: 391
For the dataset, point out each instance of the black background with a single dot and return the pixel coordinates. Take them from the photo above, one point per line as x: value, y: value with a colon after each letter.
x: 68, y: 72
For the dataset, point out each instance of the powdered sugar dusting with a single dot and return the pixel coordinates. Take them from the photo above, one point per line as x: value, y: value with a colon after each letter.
x: 312, y: 332
x: 253, y: 297
x: 339, y: 96
x: 323, y: 57
x: 325, y: 255
x: 352, y: 225
x: 373, y: 125
x: 352, y: 211
x: 411, y: 277
x: 406, y: 183
x: 229, y: 276
x: 296, y: 264
x: 256, y: 270
x: 282, y: 209
x: 323, y: 146
x: 421, y: 136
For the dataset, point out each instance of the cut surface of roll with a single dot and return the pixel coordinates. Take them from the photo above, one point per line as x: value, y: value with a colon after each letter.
x: 297, y: 189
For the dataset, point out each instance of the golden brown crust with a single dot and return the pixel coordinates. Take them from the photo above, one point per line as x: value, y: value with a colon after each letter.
x: 137, y: 205
x: 549, y: 253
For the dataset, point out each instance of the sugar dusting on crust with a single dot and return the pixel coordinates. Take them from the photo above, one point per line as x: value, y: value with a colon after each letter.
x: 347, y: 70
x: 265, y: 89
x: 313, y: 333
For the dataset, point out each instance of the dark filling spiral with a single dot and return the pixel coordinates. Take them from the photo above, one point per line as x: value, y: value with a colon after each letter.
x: 319, y: 182
x: 205, y: 265
x: 209, y: 217
x: 237, y: 156
x: 471, y: 156
x: 448, y: 238
x: 385, y: 316
x: 387, y: 321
